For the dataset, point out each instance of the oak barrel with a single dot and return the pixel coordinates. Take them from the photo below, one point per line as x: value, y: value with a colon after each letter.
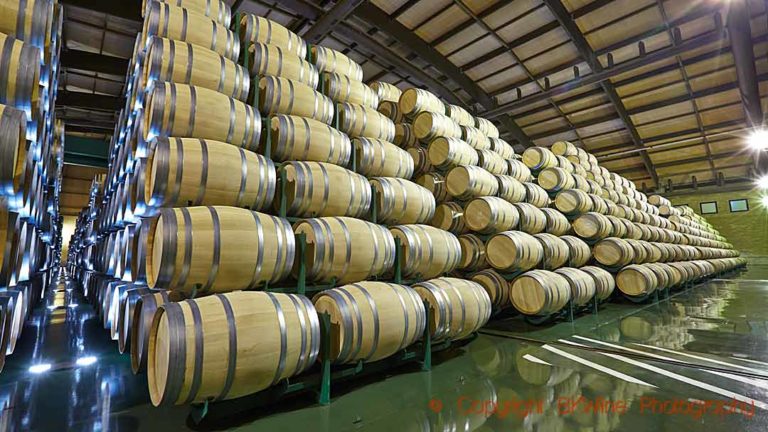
x: 539, y: 292
x: 490, y: 215
x: 405, y: 137
x: 400, y: 201
x: 636, y: 280
x: 555, y: 251
x: 579, y: 252
x: 430, y: 125
x: 582, y: 285
x: 491, y: 162
x: 447, y: 153
x: 518, y: 170
x: 361, y: 121
x: 513, y: 251
x: 536, y: 195
x: 305, y: 139
x: 330, y: 60
x: 495, y: 286
x: 180, y: 110
x: 13, y: 151
x: 165, y: 20
x: 321, y: 189
x: 459, y: 115
x: 392, y: 111
x: 472, y: 253
x: 283, y: 96
x: 255, y: 29
x: 19, y: 72
x: 557, y: 224
x: 229, y: 345
x: 604, y: 281
x: 217, y: 10
x: 217, y: 249
x: 555, y: 179
x: 427, y: 251
x: 386, y: 91
x: 532, y: 219
x: 341, y: 88
x: 187, y: 170
x: 435, y: 183
x: 475, y: 138
x: 592, y: 226
x: 345, y: 249
x: 414, y: 101
x: 466, y: 182
x: 614, y: 252
x: 538, y: 158
x: 379, y: 158
x: 511, y: 189
x: 458, y: 307
x: 266, y: 59
x: 502, y: 148
x: 30, y: 21
x: 449, y: 216
x: 420, y: 158
x: 487, y: 127
x: 143, y: 313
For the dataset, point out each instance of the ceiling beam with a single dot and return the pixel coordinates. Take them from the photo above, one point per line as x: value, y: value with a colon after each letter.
x: 329, y: 20
x: 89, y: 100
x: 378, y: 18
x: 582, y: 45
x: 607, y: 73
x: 84, y: 60
x: 128, y: 9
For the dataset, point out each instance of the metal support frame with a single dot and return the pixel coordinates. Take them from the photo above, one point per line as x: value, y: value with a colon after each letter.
x: 329, y: 20
x: 578, y: 39
x: 85, y: 60
x: 378, y: 18
x: 128, y: 9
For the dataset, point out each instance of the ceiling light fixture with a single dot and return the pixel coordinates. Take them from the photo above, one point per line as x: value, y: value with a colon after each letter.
x: 758, y: 139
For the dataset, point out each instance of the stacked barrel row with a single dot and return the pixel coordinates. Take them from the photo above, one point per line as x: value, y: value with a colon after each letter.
x: 31, y: 158
x: 168, y: 222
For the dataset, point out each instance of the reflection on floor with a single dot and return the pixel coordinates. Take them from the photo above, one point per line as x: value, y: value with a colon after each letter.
x: 698, y: 361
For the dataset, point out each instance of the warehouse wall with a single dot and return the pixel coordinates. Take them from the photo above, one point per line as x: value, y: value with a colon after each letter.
x: 748, y: 231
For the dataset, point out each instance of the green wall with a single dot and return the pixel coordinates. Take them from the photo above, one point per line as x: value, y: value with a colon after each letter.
x: 748, y: 231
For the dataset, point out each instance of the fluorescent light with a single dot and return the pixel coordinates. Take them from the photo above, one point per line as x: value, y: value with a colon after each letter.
x: 762, y: 182
x: 86, y: 361
x: 758, y: 139
x: 764, y: 201
x: 40, y: 368
x: 73, y: 305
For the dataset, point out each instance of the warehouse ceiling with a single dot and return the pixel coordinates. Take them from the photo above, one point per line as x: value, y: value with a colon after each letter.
x: 653, y: 87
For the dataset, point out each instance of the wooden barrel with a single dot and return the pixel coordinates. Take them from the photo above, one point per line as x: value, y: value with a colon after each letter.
x: 490, y: 215
x: 14, y: 306
x: 472, y: 253
x: 555, y: 251
x: 565, y: 164
x: 458, y: 307
x: 217, y: 10
x: 563, y: 148
x: 598, y: 204
x: 165, y: 20
x: 361, y: 121
x: 239, y: 343
x: 420, y: 157
x: 475, y: 138
x: 510, y: 189
x: 320, y: 189
x: 636, y: 280
x: 461, y: 116
x: 604, y: 281
x: 557, y: 224
x: 143, y: 313
x: 386, y: 91
x: 30, y: 21
x: 127, y: 309
x: 207, y: 247
x: 447, y: 153
x: 513, y: 251
x: 341, y: 88
x: 663, y: 275
x: 536, y: 195
x: 330, y: 60
x: 614, y: 252
x: 487, y: 127
x: 491, y: 162
x: 640, y: 251
x: 618, y: 229
x: 592, y: 226
x: 532, y: 219
x: 255, y: 29
x: 13, y: 151
x: 20, y: 69
x: 573, y: 202
x: 538, y: 158
x: 579, y: 252
x: 274, y: 60
x: 428, y: 252
x: 414, y: 101
x: 180, y: 110
x: 187, y: 170
x: 430, y: 125
x: 632, y: 230
x: 518, y: 170
x: 183, y: 63
x: 283, y: 96
x: 392, y: 111
x: 379, y: 158
x: 495, y: 286
x: 435, y: 183
x: 466, y: 182
x: 291, y: 137
x: 539, y: 292
x: 555, y: 179
x: 583, y: 286
x: 658, y: 200
x: 400, y: 201
x: 330, y: 245
x: 502, y: 147
x: 405, y: 137
x: 449, y: 216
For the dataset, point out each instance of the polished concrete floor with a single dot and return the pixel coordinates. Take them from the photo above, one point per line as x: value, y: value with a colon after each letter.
x: 697, y: 361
